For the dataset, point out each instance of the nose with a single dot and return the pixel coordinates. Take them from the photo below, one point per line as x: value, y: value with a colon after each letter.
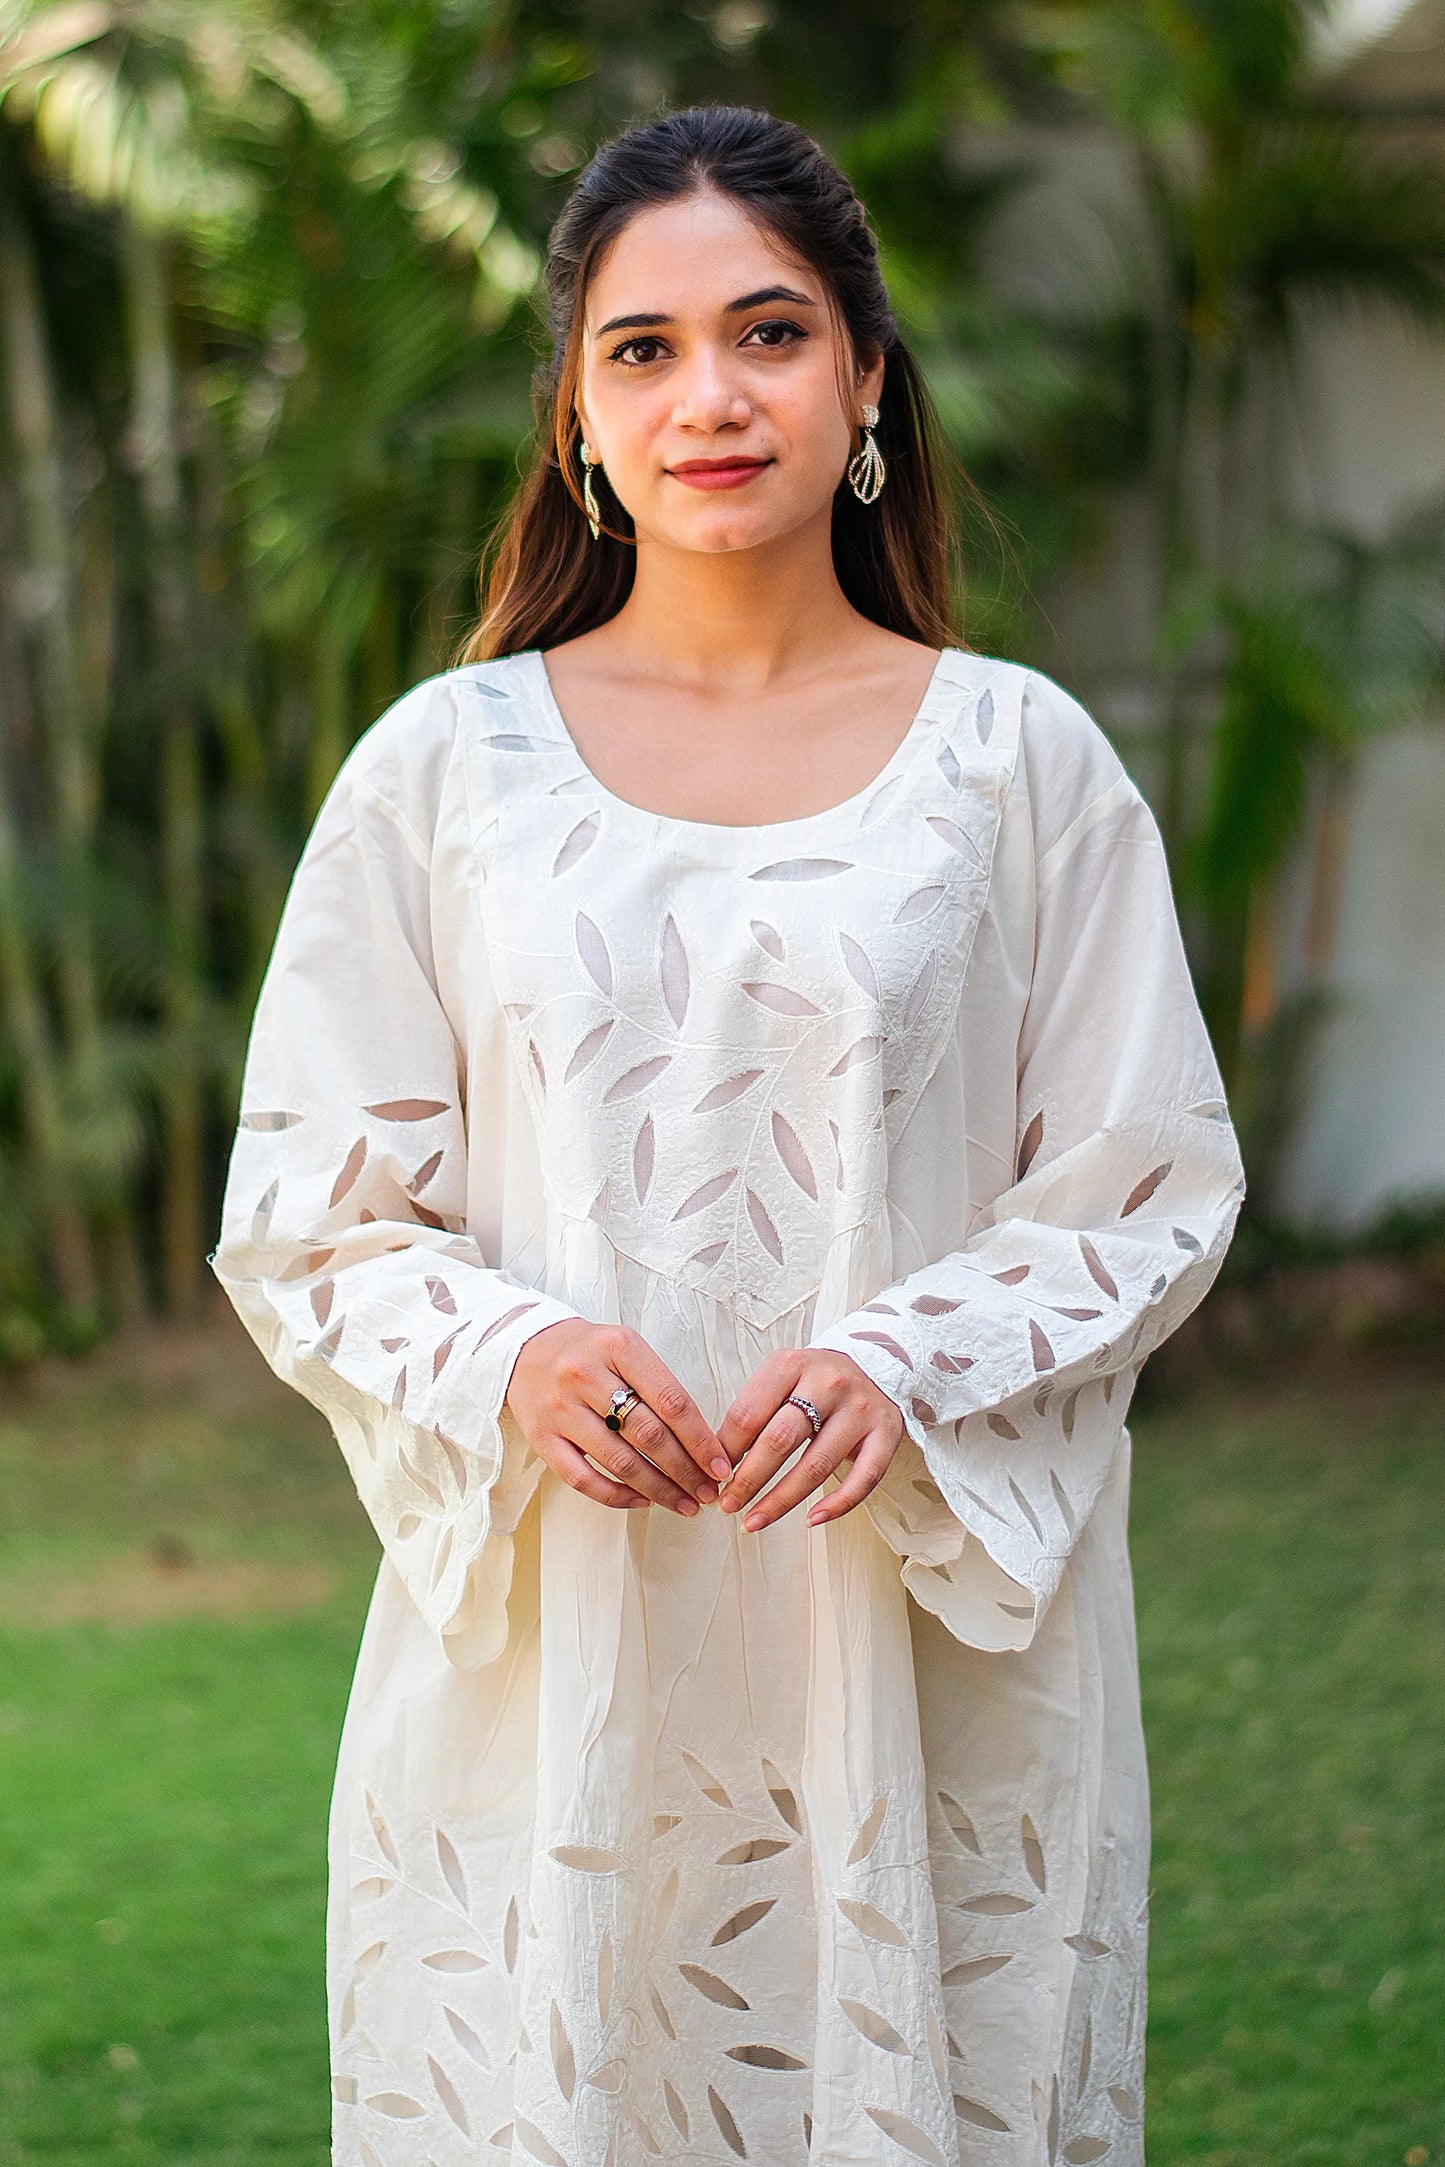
x: 708, y: 395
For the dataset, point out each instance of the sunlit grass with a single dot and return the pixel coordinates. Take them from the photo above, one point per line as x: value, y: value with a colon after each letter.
x: 1290, y: 1578
x: 164, y: 1777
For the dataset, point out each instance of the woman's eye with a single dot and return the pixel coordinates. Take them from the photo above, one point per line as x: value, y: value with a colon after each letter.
x: 777, y: 332
x: 637, y: 352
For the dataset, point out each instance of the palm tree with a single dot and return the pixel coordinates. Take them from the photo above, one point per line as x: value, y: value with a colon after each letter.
x: 289, y: 238
x: 104, y: 96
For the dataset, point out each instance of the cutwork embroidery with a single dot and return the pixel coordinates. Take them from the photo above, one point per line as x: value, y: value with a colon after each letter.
x: 744, y: 1208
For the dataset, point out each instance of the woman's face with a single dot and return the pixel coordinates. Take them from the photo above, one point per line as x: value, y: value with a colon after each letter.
x: 711, y: 379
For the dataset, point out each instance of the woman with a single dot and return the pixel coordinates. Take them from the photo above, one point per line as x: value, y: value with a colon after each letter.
x: 728, y: 1060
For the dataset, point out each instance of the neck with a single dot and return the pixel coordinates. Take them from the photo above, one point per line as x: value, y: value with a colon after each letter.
x: 735, y: 620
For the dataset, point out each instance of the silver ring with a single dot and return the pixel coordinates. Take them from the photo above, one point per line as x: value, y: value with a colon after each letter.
x: 624, y: 1399
x: 796, y: 1399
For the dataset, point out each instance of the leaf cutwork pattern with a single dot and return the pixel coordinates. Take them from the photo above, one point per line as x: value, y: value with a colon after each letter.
x: 673, y: 971
x: 869, y: 1832
x: 608, y: 1887
x: 741, y: 1921
x: 765, y: 2057
x: 576, y: 843
x: 723, y: 2115
x: 909, y: 2136
x: 874, y: 2026
x: 892, y: 1022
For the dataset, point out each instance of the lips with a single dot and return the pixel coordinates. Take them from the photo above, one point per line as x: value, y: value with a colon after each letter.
x: 717, y: 473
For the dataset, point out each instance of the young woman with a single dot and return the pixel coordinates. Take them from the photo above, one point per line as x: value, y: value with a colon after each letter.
x: 726, y: 1120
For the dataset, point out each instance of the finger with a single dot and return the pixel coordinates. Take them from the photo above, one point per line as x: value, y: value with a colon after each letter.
x: 870, y: 1464
x: 777, y: 1441
x: 823, y: 1455
x: 617, y: 1458
x: 577, y: 1471
x: 638, y: 1365
x: 774, y: 1378
x: 656, y: 1442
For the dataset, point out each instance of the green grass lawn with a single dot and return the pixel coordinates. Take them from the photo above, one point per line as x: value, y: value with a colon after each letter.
x: 183, y: 1574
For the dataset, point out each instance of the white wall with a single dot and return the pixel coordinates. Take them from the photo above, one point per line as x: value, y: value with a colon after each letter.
x: 1373, y: 447
x: 1375, y: 1128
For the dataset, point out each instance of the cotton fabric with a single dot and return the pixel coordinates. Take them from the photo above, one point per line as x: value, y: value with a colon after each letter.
x: 653, y: 1838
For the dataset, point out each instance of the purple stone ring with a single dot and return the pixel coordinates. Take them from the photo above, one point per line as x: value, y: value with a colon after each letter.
x: 796, y: 1399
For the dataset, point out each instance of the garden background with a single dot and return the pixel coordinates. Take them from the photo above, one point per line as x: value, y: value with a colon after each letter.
x: 268, y: 316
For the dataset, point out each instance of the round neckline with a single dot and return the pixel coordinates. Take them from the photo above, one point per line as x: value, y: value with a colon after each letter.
x: 735, y: 830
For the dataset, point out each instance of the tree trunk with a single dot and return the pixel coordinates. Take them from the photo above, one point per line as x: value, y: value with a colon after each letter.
x: 248, y: 835
x: 50, y: 611
x: 45, y: 529
x: 61, y: 1229
x: 1327, y: 867
x: 155, y: 451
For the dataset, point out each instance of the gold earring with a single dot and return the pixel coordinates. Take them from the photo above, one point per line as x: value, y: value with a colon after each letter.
x: 866, y: 470
x: 589, y: 498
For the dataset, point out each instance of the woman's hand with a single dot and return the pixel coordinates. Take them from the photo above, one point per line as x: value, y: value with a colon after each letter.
x: 561, y: 1387
x: 860, y: 1423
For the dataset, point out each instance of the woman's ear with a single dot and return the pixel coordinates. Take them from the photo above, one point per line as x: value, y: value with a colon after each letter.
x: 581, y: 421
x: 870, y: 382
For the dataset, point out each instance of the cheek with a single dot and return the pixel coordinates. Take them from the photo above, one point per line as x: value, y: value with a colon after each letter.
x: 628, y: 421
x: 809, y: 414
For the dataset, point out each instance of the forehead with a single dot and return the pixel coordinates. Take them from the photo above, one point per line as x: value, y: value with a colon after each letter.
x: 690, y: 258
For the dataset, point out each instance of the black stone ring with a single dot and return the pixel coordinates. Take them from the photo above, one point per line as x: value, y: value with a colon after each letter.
x: 624, y: 1399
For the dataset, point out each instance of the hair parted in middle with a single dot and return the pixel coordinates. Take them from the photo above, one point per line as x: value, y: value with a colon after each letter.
x: 547, y: 580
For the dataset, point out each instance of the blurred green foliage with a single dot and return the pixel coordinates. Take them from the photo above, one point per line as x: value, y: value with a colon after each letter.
x: 269, y: 305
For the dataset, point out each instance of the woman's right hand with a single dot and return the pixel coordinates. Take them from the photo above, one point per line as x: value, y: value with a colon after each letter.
x: 561, y: 1387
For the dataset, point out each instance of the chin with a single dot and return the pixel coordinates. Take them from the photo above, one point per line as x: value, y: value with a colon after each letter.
x: 716, y: 532
x: 717, y: 542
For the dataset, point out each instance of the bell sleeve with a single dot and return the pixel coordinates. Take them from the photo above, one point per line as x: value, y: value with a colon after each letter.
x: 1013, y: 1357
x: 344, y: 1243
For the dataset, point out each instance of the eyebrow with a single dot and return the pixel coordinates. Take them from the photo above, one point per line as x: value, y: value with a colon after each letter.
x: 733, y: 308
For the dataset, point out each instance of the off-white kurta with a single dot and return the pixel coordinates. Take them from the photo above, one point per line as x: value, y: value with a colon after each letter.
x: 653, y: 1838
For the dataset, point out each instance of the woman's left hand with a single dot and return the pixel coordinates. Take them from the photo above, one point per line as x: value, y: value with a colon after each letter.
x: 762, y: 1428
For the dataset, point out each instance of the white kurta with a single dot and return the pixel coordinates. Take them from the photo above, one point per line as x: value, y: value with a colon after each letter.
x: 653, y: 1838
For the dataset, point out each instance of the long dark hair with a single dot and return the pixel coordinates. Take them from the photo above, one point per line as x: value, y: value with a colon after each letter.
x: 545, y: 579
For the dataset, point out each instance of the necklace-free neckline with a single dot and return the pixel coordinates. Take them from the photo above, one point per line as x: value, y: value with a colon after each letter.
x: 740, y: 832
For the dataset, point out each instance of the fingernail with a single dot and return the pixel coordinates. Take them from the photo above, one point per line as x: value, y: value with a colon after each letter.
x: 753, y: 1522
x: 722, y: 1468
x: 687, y: 1505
